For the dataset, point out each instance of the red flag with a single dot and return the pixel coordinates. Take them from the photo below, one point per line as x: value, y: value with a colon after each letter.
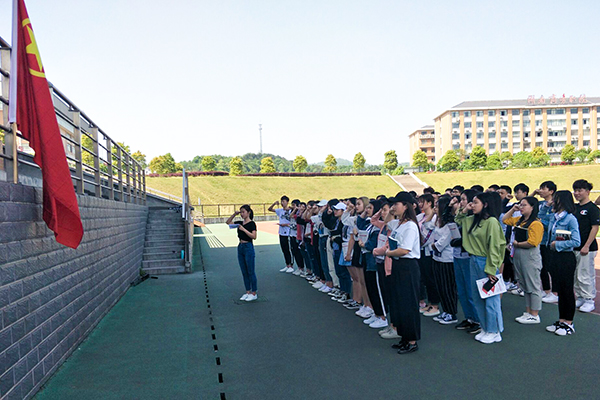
x: 37, y: 122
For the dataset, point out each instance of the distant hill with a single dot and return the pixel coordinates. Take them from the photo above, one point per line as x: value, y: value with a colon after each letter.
x: 341, y: 162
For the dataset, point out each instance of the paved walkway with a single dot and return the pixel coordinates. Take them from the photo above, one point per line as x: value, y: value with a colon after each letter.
x: 163, y: 341
x: 408, y: 183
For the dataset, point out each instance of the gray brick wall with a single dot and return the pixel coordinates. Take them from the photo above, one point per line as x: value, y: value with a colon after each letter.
x: 52, y: 296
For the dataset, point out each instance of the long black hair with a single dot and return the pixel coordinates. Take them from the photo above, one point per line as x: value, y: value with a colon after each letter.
x: 409, y: 214
x: 444, y: 211
x: 249, y: 209
x: 534, y: 203
x: 563, y: 201
x: 491, y: 208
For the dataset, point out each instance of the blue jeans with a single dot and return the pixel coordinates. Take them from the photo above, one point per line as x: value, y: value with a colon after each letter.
x: 307, y: 261
x: 342, y: 271
x: 462, y: 273
x: 316, y: 268
x: 489, y: 310
x: 323, y: 254
x: 246, y: 260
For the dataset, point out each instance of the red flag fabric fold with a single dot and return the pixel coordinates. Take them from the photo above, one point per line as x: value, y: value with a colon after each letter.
x: 37, y: 122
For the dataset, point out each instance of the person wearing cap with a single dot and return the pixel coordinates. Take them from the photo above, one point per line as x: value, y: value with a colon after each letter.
x: 333, y: 221
x: 323, y: 237
x: 284, y: 231
x: 405, y: 250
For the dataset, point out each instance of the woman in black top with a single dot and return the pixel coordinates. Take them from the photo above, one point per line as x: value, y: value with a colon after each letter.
x: 246, y: 231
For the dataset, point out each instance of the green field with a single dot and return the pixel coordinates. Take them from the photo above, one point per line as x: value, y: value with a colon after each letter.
x: 563, y: 176
x: 240, y: 190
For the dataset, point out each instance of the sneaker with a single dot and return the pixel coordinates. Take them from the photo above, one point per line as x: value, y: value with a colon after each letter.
x: 318, y: 285
x: 528, y: 319
x: 522, y: 316
x: 302, y: 274
x: 343, y: 298
x: 251, y: 297
x: 510, y: 286
x: 520, y: 292
x: 360, y: 310
x: 325, y: 289
x: 550, y: 298
x: 289, y: 270
x: 389, y: 329
x: 297, y: 272
x: 588, y: 306
x: 424, y: 309
x: 466, y: 324
x: 579, y: 302
x: 449, y: 319
x: 480, y: 334
x: 309, y: 276
x: 379, y: 323
x: 334, y: 292
x: 432, y: 312
x: 390, y: 334
x: 284, y: 269
x: 245, y: 296
x: 366, y: 313
x: 474, y: 329
x: 552, y: 328
x: 370, y: 320
x: 352, y: 306
x: 439, y: 317
x: 564, y: 329
x: 490, y: 338
x: 408, y: 348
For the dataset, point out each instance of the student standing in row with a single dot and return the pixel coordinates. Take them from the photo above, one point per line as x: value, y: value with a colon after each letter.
x: 546, y: 192
x: 284, y: 231
x: 527, y: 233
x: 246, y: 231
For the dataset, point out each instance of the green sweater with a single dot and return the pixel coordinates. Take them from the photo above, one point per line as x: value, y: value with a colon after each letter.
x: 486, y: 240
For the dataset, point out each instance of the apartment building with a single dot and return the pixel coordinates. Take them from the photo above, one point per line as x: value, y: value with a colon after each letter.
x: 423, y: 139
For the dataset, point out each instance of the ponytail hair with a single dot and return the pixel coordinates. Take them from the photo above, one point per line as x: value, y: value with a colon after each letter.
x: 247, y: 208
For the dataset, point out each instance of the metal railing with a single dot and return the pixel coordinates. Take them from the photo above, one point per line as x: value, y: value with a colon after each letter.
x: 225, y: 210
x: 99, y: 165
x: 188, y: 218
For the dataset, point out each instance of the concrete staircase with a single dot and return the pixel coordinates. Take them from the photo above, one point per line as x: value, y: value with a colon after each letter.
x: 165, y: 237
x: 408, y: 182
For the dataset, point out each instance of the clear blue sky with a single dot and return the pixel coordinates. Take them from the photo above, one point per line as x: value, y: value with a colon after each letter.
x: 196, y: 77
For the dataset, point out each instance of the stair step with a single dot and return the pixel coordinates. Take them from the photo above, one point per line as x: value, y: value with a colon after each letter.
x: 163, y: 249
x: 164, y: 270
x: 171, y: 255
x: 164, y: 236
x: 159, y: 243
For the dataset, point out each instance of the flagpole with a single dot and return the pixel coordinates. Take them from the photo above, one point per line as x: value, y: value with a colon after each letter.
x: 13, y: 128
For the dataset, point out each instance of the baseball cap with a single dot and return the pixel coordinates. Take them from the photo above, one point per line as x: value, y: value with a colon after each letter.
x: 340, y: 206
x: 322, y: 203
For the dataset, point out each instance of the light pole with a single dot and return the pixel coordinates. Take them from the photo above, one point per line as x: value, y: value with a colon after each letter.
x: 260, y: 135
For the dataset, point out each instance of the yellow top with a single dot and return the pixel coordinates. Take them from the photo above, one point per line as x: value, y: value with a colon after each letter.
x: 535, y: 232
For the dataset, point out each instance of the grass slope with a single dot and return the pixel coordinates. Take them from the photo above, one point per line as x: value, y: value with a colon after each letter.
x: 563, y: 176
x: 240, y: 190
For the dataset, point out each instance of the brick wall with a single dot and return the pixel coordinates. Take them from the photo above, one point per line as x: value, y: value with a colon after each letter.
x: 52, y: 296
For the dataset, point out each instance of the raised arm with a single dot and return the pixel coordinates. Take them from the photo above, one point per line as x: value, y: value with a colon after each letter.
x: 272, y: 206
x: 230, y: 219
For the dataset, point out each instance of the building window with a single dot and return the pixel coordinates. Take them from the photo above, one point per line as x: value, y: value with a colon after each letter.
x: 556, y: 111
x: 525, y: 113
x: 557, y: 122
x: 504, y: 124
x: 480, y: 136
x: 526, y: 134
x: 467, y: 114
x: 516, y: 112
x: 491, y: 113
x: 504, y: 146
x: 504, y: 135
x: 468, y: 125
x: 585, y: 121
x: 586, y: 143
x: 492, y: 135
x: 515, y: 123
x: 479, y: 113
x: 516, y: 146
x: 573, y: 111
x: 526, y: 123
x: 491, y: 124
x: 480, y: 124
x: 454, y: 114
x: 467, y: 136
x: 586, y: 110
x: 538, y: 112
x: 516, y: 134
x: 538, y: 123
x: 503, y: 113
x: 574, y: 142
x: 492, y: 147
x: 573, y: 122
x: 455, y: 136
x: 526, y: 146
x: 455, y: 125
x: 456, y: 147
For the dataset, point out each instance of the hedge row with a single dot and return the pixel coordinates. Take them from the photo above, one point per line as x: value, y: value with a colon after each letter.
x: 191, y: 173
x: 223, y: 173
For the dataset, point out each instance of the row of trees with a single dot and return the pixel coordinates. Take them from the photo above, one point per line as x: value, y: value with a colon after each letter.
x: 269, y: 163
x: 458, y: 160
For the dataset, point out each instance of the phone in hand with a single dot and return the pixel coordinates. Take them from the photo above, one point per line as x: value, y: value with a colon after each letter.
x: 489, y: 285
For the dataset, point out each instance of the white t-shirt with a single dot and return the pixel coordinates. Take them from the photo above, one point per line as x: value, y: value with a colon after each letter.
x: 441, y: 240
x: 407, y: 236
x: 284, y: 218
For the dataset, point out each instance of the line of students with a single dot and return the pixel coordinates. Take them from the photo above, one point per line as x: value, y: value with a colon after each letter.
x: 392, y: 259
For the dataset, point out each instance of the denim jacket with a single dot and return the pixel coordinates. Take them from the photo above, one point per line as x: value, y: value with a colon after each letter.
x: 568, y: 222
x: 545, y: 215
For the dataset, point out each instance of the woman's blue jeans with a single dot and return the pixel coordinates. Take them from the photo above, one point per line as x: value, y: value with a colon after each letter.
x: 462, y: 273
x: 489, y: 310
x: 246, y: 260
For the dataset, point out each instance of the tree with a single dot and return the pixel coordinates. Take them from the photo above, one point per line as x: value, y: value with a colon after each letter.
x: 568, y: 153
x: 594, y: 156
x: 478, y: 157
x: 493, y: 162
x: 300, y: 164
x: 461, y: 153
x: 330, y: 164
x: 391, y: 160
x: 506, y: 157
x: 236, y: 166
x: 165, y: 164
x: 208, y: 163
x: 522, y: 159
x: 420, y: 160
x: 398, y: 171
x: 539, y: 158
x: 140, y: 158
x: 466, y: 165
x: 582, y: 154
x: 449, y: 162
x: 359, y: 162
x: 267, y: 165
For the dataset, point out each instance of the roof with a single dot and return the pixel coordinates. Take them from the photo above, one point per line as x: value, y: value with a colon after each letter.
x: 523, y: 103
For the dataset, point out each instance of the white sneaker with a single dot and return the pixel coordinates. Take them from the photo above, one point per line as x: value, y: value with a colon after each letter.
x: 490, y: 338
x: 381, y: 332
x: 245, y: 296
x: 440, y: 317
x: 528, y: 319
x: 318, y: 285
x: 550, y: 298
x: 579, y: 302
x: 480, y: 335
x: 370, y: 320
x: 390, y: 334
x: 289, y: 270
x: 360, y: 310
x: 325, y: 289
x: 366, y: 313
x: 297, y: 272
x: 251, y: 297
x: 379, y: 323
x: 564, y: 329
x: 303, y: 274
x: 522, y: 316
x: 588, y: 306
x: 284, y: 269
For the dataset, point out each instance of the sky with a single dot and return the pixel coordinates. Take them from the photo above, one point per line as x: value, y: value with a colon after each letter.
x: 327, y: 76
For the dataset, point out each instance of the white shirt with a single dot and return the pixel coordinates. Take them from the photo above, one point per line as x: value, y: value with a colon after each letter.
x: 407, y: 236
x: 441, y: 240
x: 284, y: 218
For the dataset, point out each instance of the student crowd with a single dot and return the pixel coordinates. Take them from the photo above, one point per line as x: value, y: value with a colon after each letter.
x: 393, y: 259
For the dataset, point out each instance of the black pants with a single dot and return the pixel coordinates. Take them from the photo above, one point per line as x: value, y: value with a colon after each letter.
x: 374, y: 291
x: 384, y: 286
x: 445, y: 281
x: 545, y: 272
x: 426, y: 268
x: 508, y: 272
x: 296, y: 252
x: 406, y: 318
x: 284, y: 242
x: 563, y: 265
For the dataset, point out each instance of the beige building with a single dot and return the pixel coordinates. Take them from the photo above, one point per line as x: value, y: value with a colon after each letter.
x: 517, y: 125
x: 423, y: 139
